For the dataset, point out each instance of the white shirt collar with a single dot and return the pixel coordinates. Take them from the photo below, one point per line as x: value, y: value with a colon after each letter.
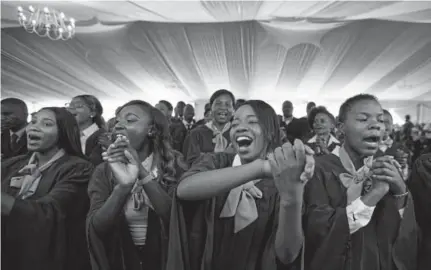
x: 332, y: 139
x: 19, y: 133
x: 86, y: 133
x: 89, y: 131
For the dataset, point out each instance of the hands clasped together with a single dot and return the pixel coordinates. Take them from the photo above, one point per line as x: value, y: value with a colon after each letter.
x: 124, y: 162
x: 291, y: 166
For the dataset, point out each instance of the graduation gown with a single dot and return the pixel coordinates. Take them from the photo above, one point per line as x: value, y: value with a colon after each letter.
x: 116, y: 250
x: 179, y: 133
x: 46, y: 231
x: 420, y: 187
x: 93, y: 149
x: 6, y: 148
x: 199, y: 141
x: 388, y: 242
x: 201, y: 240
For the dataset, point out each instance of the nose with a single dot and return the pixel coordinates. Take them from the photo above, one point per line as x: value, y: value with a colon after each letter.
x: 119, y: 127
x: 376, y: 125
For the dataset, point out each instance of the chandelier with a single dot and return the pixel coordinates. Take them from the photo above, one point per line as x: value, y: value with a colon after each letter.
x: 47, y: 23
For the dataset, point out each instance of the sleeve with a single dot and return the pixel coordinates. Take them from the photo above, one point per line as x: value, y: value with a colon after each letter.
x: 326, y: 227
x: 358, y: 215
x: 270, y: 259
x: 98, y: 191
x: 193, y: 150
x: 38, y: 227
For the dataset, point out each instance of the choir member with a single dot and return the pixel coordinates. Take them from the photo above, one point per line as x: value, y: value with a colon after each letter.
x: 323, y: 123
x: 130, y: 193
x: 88, y: 111
x: 166, y: 108
x: 14, y: 115
x: 358, y: 212
x: 242, y: 210
x: 43, y: 197
x: 420, y: 186
x: 292, y: 126
x: 180, y: 129
x: 214, y: 135
x: 179, y: 110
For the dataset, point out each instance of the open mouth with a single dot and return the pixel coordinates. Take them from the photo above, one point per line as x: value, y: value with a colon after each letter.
x: 372, y: 140
x: 244, y: 141
x: 33, y: 137
x: 222, y: 114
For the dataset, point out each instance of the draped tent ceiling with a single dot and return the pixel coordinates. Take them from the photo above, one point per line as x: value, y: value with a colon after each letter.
x: 184, y: 50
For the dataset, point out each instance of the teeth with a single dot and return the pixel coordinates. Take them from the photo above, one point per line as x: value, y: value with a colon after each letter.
x: 243, y: 138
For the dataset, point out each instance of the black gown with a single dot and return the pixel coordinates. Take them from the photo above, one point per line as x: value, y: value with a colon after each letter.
x: 46, y: 231
x: 208, y: 242
x: 388, y: 242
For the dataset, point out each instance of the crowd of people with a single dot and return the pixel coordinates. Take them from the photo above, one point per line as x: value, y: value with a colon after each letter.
x: 242, y: 188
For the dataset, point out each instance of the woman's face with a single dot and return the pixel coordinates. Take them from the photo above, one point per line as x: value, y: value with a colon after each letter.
x: 222, y: 109
x: 322, y: 124
x: 81, y: 111
x: 42, y: 131
x: 388, y: 125
x: 134, y: 123
x: 246, y: 134
x: 363, y: 127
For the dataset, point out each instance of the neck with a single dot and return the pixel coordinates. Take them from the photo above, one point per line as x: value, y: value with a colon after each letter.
x: 145, y: 151
x: 356, y: 158
x: 85, y: 125
x: 288, y: 117
x: 45, y: 156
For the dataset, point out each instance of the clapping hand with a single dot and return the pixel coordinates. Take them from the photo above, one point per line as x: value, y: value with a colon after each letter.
x: 386, y: 169
x: 123, y: 162
x: 292, y: 166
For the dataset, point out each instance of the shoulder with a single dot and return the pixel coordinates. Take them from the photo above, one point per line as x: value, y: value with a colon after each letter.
x: 14, y: 160
x: 199, y: 130
x: 75, y: 165
x: 423, y: 163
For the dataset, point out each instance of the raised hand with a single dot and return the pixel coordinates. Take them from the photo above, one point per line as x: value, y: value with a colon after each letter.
x: 289, y: 170
x: 124, y: 165
x: 386, y: 169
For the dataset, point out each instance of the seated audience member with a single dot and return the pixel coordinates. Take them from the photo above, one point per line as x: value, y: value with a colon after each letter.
x: 130, y: 193
x: 14, y: 115
x: 245, y: 208
x: 420, y: 186
x: 214, y: 135
x: 180, y: 129
x: 43, y: 197
x: 359, y: 213
x: 323, y: 123
x: 88, y: 111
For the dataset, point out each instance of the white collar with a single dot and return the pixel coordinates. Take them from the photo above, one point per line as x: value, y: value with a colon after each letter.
x: 332, y: 139
x: 90, y: 130
x: 19, y: 133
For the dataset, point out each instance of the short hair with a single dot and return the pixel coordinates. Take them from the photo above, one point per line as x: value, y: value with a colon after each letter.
x: 182, y: 103
x: 207, y: 108
x: 287, y: 102
x: 221, y: 92
x: 310, y: 105
x: 16, y: 102
x: 94, y: 104
x: 167, y: 104
x: 348, y: 104
x: 314, y: 112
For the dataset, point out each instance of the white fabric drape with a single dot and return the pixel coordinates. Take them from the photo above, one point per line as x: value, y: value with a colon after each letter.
x: 301, y: 51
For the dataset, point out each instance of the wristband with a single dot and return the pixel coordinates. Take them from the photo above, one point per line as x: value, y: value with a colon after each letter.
x: 401, y: 196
